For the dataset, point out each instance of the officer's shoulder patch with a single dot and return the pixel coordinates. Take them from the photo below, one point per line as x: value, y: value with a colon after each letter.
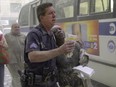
x: 33, y: 45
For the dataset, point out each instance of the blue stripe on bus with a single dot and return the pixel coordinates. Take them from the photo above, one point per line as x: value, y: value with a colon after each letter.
x: 107, y: 28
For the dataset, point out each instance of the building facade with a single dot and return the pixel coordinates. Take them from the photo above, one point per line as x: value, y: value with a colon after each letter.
x: 9, y: 11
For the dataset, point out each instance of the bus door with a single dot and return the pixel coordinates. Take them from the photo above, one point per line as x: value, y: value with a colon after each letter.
x: 27, y: 17
x: 33, y: 14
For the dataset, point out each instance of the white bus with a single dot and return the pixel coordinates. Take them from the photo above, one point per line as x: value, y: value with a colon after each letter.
x: 95, y: 22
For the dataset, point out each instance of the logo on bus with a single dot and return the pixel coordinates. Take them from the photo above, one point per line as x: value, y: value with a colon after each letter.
x: 111, y: 46
x: 112, y: 29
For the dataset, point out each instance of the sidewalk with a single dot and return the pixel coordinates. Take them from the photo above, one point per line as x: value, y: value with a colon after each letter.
x: 7, y: 79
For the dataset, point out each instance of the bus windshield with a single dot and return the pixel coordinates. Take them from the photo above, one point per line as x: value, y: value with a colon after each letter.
x: 64, y: 8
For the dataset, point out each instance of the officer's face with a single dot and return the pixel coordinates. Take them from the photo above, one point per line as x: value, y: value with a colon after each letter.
x: 49, y: 18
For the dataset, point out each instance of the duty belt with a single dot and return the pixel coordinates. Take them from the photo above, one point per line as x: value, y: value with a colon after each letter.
x: 48, y: 82
x: 34, y: 79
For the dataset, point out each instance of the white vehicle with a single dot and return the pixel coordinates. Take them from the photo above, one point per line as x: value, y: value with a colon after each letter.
x: 6, y: 30
x: 95, y: 22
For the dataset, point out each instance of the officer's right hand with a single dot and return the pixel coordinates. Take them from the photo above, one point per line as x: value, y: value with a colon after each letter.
x: 67, y: 47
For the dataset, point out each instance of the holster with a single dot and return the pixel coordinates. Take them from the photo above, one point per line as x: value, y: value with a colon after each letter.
x: 23, y: 78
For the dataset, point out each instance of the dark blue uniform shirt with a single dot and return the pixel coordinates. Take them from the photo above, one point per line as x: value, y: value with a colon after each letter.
x: 39, y: 40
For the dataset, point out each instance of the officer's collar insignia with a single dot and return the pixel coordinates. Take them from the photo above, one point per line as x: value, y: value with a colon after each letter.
x: 33, y: 45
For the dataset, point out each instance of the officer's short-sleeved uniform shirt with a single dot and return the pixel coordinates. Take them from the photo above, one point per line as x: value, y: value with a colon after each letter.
x: 39, y: 40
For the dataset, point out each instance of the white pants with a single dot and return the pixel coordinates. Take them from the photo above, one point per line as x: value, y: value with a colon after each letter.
x: 13, y: 69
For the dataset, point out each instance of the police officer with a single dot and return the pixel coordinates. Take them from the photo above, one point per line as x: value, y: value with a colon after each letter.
x: 41, y: 50
x: 67, y: 76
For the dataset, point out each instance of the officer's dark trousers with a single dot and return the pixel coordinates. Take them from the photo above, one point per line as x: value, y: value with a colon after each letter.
x: 1, y: 75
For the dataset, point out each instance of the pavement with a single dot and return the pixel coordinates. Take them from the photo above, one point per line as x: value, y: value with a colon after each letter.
x: 7, y: 78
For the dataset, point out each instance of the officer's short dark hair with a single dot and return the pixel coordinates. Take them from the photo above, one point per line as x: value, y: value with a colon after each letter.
x: 41, y: 9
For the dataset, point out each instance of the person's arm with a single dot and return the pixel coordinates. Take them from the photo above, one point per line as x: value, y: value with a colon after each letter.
x: 40, y: 56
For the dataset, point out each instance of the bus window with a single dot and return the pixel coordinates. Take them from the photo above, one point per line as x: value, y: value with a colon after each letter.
x: 84, y: 7
x: 44, y: 1
x: 68, y: 13
x: 23, y: 18
x: 33, y: 17
x: 35, y: 20
x: 101, y: 5
x: 64, y: 8
x: 111, y: 5
x: 51, y: 1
